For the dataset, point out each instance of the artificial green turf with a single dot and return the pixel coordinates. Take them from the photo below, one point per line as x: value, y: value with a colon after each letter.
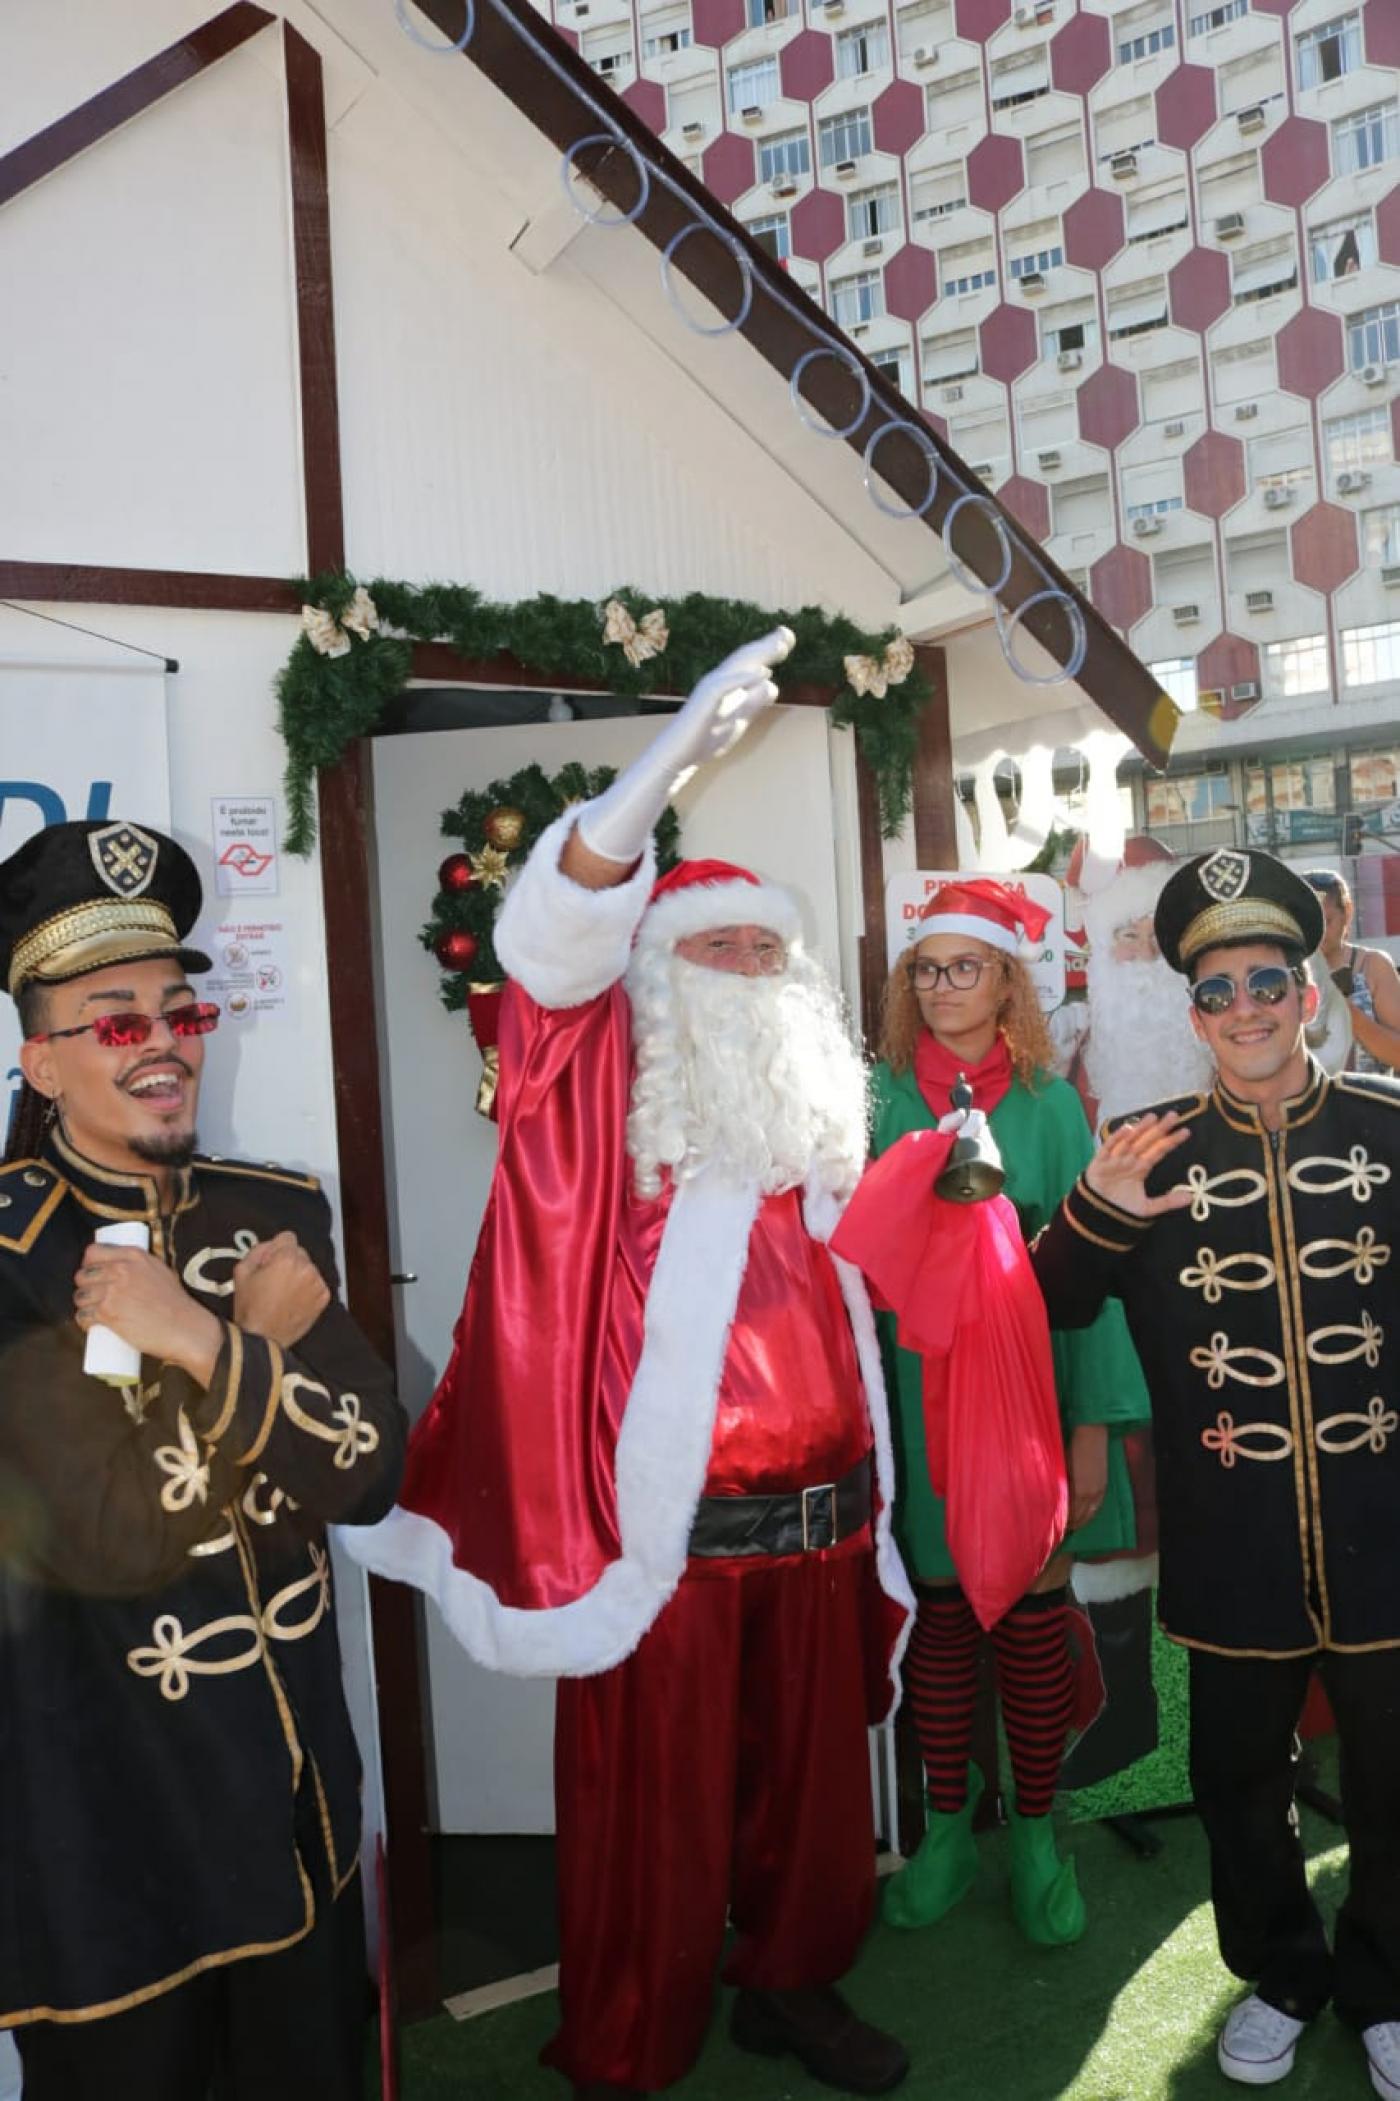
x: 1130, y: 2014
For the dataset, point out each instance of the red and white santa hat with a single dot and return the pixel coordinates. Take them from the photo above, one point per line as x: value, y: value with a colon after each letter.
x: 985, y: 909
x: 695, y: 896
x: 1101, y: 895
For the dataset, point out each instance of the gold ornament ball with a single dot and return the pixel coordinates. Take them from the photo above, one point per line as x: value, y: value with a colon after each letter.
x: 505, y: 826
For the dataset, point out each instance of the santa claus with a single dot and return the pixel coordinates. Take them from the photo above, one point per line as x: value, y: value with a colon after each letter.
x: 658, y: 1461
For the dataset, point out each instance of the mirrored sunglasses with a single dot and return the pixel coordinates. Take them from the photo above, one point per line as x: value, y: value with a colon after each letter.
x: 125, y: 1031
x: 1267, y: 985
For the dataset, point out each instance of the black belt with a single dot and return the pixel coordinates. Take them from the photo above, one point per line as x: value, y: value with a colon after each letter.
x: 796, y: 1523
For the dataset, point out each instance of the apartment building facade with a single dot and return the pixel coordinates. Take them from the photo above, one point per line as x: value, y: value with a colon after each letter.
x: 1140, y: 263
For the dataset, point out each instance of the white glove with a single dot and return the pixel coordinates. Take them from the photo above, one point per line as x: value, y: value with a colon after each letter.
x: 617, y: 824
x: 967, y: 1123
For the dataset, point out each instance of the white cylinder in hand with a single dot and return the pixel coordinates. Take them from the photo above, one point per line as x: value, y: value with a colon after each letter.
x: 107, y: 1356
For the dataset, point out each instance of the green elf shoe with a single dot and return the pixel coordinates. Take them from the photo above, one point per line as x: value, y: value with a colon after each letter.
x: 943, y: 1870
x: 1045, y: 1897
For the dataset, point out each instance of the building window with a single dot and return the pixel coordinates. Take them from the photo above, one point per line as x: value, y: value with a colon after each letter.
x: 858, y: 299
x: 1037, y: 262
x: 1357, y: 441
x: 1375, y: 775
x: 948, y: 103
x: 892, y: 365
x: 1260, y: 272
x: 1365, y: 139
x: 1293, y: 668
x: 761, y: 11
x: 1055, y: 156
x: 872, y: 212
x: 1373, y: 336
x: 787, y: 153
x: 611, y: 61
x: 845, y: 137
x: 1217, y: 17
x: 1021, y: 79
x: 773, y: 235
x: 974, y: 281
x: 1134, y: 310
x: 1157, y: 507
x: 950, y: 357
x: 862, y: 50
x: 1381, y: 533
x: 1129, y: 127
x: 1342, y: 247
x: 665, y: 34
x: 753, y: 86
x: 1063, y: 336
x: 1163, y: 38
x: 1153, y: 213
x: 1188, y: 798
x: 1371, y: 655
x: 1177, y: 678
x: 970, y: 267
x: 935, y: 195
x: 1281, y: 459
x: 1329, y: 51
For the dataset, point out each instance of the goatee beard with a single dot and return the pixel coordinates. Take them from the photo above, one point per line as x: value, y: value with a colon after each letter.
x: 172, y: 1149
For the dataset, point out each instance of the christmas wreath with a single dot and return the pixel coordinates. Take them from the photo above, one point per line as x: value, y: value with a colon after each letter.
x: 497, y: 829
x: 355, y: 654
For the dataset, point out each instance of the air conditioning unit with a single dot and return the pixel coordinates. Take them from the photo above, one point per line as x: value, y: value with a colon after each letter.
x: 1122, y: 165
x: 1025, y: 18
x: 1253, y: 118
x: 1144, y: 528
x: 1247, y: 689
x: 984, y: 470
x: 1259, y: 601
x: 1354, y: 478
x: 833, y: 7
x: 872, y: 247
x: 783, y: 186
x: 952, y: 394
x: 1246, y: 412
x: 1277, y: 499
x: 926, y: 54
x: 1228, y: 225
x: 1372, y: 375
x: 1032, y: 281
x: 1069, y: 360
x: 582, y: 9
x: 694, y: 130
x: 1390, y: 576
x: 752, y: 112
x: 1047, y: 461
x: 1175, y: 429
x: 1186, y: 615
x: 845, y: 169
x: 859, y: 328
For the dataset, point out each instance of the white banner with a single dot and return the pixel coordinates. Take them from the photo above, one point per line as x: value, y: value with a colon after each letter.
x: 76, y: 741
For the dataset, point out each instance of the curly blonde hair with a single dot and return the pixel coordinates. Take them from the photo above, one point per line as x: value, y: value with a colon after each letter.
x: 1019, y: 1018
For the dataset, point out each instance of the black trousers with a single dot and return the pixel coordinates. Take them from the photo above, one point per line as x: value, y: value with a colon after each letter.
x: 286, y: 2027
x: 1244, y: 1747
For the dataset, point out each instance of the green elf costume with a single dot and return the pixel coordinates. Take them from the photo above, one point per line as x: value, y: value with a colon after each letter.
x: 1044, y: 1141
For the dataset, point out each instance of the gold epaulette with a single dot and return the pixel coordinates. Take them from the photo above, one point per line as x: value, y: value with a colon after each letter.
x: 1185, y: 1105
x: 259, y: 1171
x: 30, y: 1192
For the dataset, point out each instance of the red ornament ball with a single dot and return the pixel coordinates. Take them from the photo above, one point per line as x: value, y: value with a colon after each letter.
x: 456, y: 873
x: 456, y: 949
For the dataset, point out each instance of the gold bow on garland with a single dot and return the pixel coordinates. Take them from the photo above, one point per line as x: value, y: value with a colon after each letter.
x: 640, y: 639
x: 331, y: 636
x: 876, y: 675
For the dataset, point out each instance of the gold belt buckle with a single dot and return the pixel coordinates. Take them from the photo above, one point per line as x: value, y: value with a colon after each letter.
x: 812, y: 1515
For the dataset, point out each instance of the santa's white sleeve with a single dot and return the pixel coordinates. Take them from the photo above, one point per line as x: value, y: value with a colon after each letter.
x: 563, y: 943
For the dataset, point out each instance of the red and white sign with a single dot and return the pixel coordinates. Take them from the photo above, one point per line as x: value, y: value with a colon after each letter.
x: 245, y: 845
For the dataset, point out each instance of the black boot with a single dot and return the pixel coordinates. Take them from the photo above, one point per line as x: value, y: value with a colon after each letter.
x: 820, y: 2030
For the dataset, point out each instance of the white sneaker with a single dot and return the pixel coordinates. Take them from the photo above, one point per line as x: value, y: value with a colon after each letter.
x: 1382, y: 2042
x: 1257, y: 2043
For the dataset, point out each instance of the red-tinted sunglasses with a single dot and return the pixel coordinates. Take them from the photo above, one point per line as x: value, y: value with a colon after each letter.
x: 129, y: 1031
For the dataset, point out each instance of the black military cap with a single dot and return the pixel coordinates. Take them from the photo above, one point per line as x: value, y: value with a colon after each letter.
x: 1235, y: 895
x: 77, y: 897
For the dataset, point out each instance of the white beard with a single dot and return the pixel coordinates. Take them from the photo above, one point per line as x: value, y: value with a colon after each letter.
x: 1141, y: 1046
x: 755, y: 1076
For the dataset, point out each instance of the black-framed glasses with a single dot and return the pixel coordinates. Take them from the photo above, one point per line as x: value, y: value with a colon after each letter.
x: 1267, y: 985
x: 128, y: 1031
x: 962, y: 973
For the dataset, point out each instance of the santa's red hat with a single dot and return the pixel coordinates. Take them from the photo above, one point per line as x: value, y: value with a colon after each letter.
x: 987, y: 910
x: 1101, y: 894
x: 695, y: 896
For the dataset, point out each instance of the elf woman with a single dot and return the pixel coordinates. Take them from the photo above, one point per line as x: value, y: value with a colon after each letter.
x: 961, y: 1001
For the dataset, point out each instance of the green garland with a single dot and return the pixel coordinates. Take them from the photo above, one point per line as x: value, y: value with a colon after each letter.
x: 327, y: 701
x: 536, y: 799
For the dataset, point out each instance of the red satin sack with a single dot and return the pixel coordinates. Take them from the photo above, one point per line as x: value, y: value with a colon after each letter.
x: 959, y: 1282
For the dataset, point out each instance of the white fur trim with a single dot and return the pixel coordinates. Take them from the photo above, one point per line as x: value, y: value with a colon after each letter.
x: 970, y: 923
x: 1132, y: 894
x: 1098, y: 1582
x: 563, y: 943
x: 699, y: 906
x: 663, y: 1450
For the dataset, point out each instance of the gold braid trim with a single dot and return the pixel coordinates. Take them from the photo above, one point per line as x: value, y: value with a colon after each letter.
x: 45, y: 945
x: 1235, y: 920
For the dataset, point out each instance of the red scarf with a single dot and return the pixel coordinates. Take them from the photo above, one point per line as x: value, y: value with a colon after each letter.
x: 936, y: 1069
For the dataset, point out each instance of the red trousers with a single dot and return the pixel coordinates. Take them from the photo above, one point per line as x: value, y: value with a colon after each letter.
x: 722, y: 1769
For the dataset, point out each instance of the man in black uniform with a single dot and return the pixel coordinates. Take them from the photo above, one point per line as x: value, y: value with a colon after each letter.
x: 179, y: 1787
x: 1252, y: 1233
